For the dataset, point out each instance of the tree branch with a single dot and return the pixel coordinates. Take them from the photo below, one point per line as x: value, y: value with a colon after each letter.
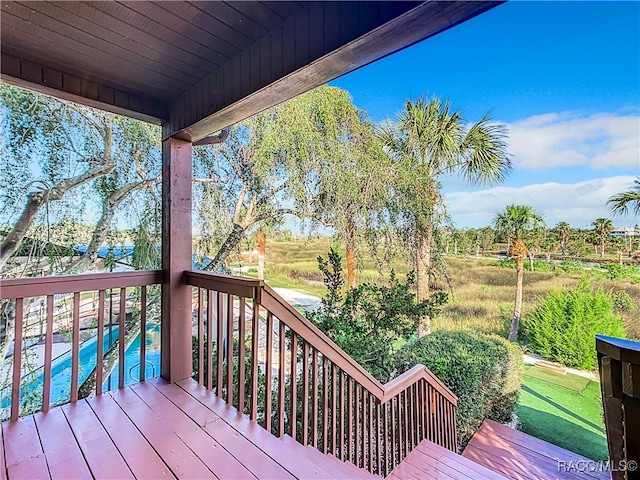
x: 37, y: 200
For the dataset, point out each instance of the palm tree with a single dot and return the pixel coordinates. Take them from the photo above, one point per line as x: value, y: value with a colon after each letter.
x: 429, y: 140
x: 619, y: 204
x: 603, y: 227
x: 515, y: 221
x: 564, y: 229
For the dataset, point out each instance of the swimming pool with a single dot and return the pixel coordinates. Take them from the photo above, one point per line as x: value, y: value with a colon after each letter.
x: 31, y: 386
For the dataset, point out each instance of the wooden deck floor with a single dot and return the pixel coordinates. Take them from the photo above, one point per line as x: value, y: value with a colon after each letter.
x: 519, y: 456
x: 431, y: 461
x: 156, y: 430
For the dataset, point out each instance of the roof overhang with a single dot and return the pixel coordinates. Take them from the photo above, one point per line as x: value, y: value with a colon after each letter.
x: 197, y: 67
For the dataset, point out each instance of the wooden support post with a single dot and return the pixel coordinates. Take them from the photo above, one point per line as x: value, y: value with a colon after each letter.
x: 176, y: 258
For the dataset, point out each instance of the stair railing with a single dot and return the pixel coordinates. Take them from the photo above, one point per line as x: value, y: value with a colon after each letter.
x: 260, y: 355
x: 619, y: 364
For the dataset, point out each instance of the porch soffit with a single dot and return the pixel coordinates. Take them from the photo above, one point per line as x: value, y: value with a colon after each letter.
x: 199, y: 66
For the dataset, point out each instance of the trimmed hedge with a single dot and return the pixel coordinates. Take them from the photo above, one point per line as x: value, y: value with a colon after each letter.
x: 564, y: 325
x: 484, y: 371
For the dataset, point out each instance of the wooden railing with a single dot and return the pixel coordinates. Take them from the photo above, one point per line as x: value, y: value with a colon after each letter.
x: 619, y: 362
x: 34, y: 309
x: 261, y: 356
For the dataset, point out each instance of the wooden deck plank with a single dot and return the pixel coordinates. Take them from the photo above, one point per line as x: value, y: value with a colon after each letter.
x: 520, y: 456
x: 242, y: 448
x: 281, y: 450
x: 178, y: 457
x: 63, y: 454
x: 449, y: 460
x: 206, y: 448
x: 430, y: 466
x: 407, y: 471
x: 143, y: 461
x: 102, y: 456
x: 501, y: 462
x: 23, y: 453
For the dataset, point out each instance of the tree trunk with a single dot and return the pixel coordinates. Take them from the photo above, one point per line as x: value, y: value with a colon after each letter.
x: 517, y: 309
x: 563, y: 248
x: 231, y: 242
x: 531, y: 257
x: 602, y: 249
x: 261, y: 241
x: 423, y: 266
x: 110, y: 359
x: 351, y: 254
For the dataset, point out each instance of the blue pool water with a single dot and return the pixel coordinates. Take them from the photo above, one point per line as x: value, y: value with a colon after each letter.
x: 61, y: 367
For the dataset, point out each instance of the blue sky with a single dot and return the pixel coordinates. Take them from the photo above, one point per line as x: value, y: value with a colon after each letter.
x: 563, y: 76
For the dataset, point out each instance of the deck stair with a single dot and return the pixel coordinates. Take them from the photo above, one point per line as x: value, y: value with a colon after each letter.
x: 519, y: 456
x: 431, y: 461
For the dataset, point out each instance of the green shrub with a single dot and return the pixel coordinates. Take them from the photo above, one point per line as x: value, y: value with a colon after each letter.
x: 484, y: 371
x: 539, y: 266
x: 369, y: 320
x: 615, y: 271
x: 509, y: 263
x: 563, y: 327
x: 569, y: 266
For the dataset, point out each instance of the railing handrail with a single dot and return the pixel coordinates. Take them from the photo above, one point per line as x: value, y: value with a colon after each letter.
x: 619, y: 348
x: 40, y: 286
x: 273, y: 302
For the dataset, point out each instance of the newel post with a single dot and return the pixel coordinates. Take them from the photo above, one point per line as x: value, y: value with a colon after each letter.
x: 176, y: 258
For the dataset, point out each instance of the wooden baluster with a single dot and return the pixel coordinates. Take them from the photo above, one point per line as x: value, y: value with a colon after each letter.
x: 432, y: 415
x: 99, y: 344
x: 334, y: 410
x: 304, y: 396
x: 394, y: 439
x: 379, y: 432
x: 200, y: 336
x: 219, y: 347
x: 385, y: 426
x: 241, y: 353
x: 255, y: 345
x: 342, y: 410
x: 48, y: 350
x: 370, y: 410
x: 350, y: 398
x: 75, y: 347
x: 406, y: 422
x: 421, y: 409
x: 314, y: 398
x: 293, y: 413
x: 451, y: 421
x: 122, y: 316
x: 267, y: 370
x: 210, y: 321
x: 414, y: 416
x: 17, y: 359
x: 358, y: 421
x: 440, y: 420
x: 281, y: 375
x: 230, y: 349
x: 143, y: 333
x: 325, y: 404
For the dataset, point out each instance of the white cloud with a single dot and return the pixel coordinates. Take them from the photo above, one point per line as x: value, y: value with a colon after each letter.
x: 578, y: 203
x: 598, y: 141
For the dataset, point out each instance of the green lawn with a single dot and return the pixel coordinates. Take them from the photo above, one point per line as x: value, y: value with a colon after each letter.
x: 564, y: 416
x: 571, y: 381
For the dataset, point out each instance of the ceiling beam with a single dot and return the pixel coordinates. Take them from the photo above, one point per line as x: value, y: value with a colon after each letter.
x: 320, y: 43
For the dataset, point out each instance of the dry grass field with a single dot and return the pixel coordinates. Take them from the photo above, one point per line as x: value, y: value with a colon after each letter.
x: 482, y: 296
